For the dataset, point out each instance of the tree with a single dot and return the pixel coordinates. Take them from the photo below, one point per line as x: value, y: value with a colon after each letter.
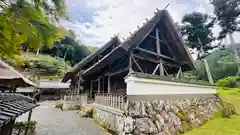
x: 198, y: 26
x: 227, y: 13
x: 68, y: 48
x: 29, y: 23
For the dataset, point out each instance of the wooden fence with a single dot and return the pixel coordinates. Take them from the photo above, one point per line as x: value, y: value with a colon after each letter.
x: 111, y: 100
x: 81, y: 98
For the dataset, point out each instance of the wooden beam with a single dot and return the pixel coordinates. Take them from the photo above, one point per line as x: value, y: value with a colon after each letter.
x: 179, y: 73
x: 165, y: 71
x: 169, y: 48
x: 155, y: 54
x: 155, y: 70
x: 137, y: 65
x: 159, y: 39
x: 155, y: 61
x: 99, y: 85
x: 159, y: 53
x: 120, y: 62
x: 91, y: 89
x: 109, y: 84
x: 130, y: 62
x: 119, y: 71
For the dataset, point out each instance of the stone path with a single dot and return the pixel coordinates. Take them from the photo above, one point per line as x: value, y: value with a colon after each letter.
x: 52, y: 121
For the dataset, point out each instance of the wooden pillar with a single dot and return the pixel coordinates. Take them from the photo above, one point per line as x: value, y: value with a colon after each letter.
x: 179, y: 73
x: 109, y: 84
x: 159, y: 52
x: 30, y: 115
x: 130, y: 62
x: 29, y: 118
x: 99, y: 85
x: 91, y: 89
x: 11, y: 127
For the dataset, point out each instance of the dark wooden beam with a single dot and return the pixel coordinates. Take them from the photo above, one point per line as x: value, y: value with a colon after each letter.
x: 159, y: 53
x: 155, y: 54
x: 169, y: 48
x: 118, y: 71
x: 109, y: 84
x: 130, y: 62
x: 99, y: 85
x: 156, y: 61
x: 179, y: 73
x: 137, y: 64
x: 120, y: 62
x: 159, y: 39
x: 155, y: 70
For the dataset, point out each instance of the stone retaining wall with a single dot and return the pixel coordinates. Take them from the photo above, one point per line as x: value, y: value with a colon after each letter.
x: 159, y: 117
x: 167, y: 117
x: 109, y: 118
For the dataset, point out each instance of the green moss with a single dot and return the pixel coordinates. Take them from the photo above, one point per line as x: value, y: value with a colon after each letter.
x: 59, y: 105
x: 219, y: 125
x: 105, y: 126
x: 181, y: 115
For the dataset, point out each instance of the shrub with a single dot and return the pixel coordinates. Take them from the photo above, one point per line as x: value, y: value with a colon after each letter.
x: 20, y: 127
x: 59, y: 105
x: 231, y: 82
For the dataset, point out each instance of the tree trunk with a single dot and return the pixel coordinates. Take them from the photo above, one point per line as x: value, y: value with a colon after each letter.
x: 38, y: 51
x: 209, y: 75
x: 234, y: 48
x: 210, y: 79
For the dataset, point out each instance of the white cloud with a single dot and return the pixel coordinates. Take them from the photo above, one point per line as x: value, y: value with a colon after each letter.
x: 122, y: 16
x: 119, y: 16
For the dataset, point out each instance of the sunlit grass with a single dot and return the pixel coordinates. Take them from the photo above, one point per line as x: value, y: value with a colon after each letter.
x: 223, y: 126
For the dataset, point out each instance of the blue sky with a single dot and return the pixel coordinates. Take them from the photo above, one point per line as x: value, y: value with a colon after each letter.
x: 96, y: 21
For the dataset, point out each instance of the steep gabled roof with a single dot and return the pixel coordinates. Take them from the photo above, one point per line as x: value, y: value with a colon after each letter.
x: 113, y: 42
x: 139, y: 36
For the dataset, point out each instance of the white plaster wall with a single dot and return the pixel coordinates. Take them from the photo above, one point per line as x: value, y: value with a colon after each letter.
x: 143, y: 86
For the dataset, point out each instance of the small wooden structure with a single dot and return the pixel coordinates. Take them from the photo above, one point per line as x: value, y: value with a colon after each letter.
x: 12, y: 106
x: 51, y: 90
x: 156, y: 49
x: 10, y: 78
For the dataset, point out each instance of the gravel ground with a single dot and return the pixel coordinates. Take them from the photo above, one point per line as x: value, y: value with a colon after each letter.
x: 52, y: 121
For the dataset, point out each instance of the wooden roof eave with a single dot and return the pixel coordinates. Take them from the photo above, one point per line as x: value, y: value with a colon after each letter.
x: 190, y: 59
x: 90, y: 57
x: 24, y: 80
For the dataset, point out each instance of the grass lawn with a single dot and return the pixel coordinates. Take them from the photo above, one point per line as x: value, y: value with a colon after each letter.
x: 223, y: 126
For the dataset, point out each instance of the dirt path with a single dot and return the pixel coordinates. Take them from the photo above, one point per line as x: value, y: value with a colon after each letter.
x: 52, y: 121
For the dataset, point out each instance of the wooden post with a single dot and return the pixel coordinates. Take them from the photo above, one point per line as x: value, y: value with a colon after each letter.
x: 109, y: 84
x: 159, y: 52
x: 155, y: 70
x: 99, y: 84
x: 210, y: 79
x: 179, y: 73
x: 29, y: 118
x: 130, y: 63
x: 91, y: 89
x: 11, y: 126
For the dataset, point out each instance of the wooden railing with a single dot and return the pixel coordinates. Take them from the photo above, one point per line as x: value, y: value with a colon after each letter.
x: 111, y: 100
x: 82, y: 98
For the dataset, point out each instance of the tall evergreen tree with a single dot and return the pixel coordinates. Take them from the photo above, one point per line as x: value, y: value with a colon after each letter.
x: 228, y: 15
x: 197, y: 26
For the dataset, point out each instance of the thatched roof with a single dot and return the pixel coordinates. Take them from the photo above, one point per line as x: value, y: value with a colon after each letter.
x: 10, y: 76
x: 114, y: 41
x: 181, y: 52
